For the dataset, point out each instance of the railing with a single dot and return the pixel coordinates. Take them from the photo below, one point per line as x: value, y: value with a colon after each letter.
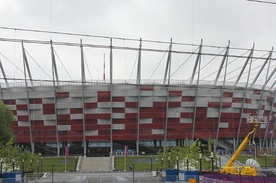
x: 210, y: 180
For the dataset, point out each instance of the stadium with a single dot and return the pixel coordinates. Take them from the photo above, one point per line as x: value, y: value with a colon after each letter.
x: 147, y: 94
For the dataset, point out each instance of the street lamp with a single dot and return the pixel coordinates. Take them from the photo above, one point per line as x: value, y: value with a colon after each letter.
x: 169, y: 160
x: 151, y: 163
x: 31, y: 165
x: 162, y: 163
x: 75, y: 164
x: 200, y: 163
x: 41, y: 164
x: 13, y: 161
x: 37, y: 166
x: 133, y: 172
x: 1, y: 161
x: 265, y: 161
x: 177, y: 167
x: 53, y: 173
x: 23, y: 165
x: 212, y: 159
x: 187, y: 162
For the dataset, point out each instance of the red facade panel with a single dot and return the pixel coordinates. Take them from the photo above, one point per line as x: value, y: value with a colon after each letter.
x: 22, y: 107
x: 76, y: 111
x: 159, y: 104
x: 118, y: 110
x: 188, y: 99
x: 227, y: 94
x: 91, y: 105
x: 23, y: 118
x: 174, y: 104
x: 63, y: 116
x: 97, y: 116
x: 48, y: 108
x: 257, y: 92
x: 35, y: 100
x: 175, y: 93
x: 131, y: 104
x: 9, y: 102
x: 103, y: 93
x: 131, y: 115
x: 62, y: 94
x: 217, y: 104
x: 147, y: 87
x: 187, y: 115
x: 118, y: 99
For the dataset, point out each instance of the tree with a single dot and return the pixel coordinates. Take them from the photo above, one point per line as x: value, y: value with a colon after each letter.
x: 6, y: 119
x: 13, y: 157
x: 189, y: 153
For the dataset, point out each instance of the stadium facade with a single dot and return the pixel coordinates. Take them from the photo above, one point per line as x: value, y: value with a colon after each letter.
x: 144, y: 113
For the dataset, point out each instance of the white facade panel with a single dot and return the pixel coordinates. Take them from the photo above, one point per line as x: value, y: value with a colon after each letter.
x: 118, y: 115
x: 64, y: 127
x: 104, y: 104
x: 35, y: 106
x: 212, y: 114
x: 173, y: 114
x: 118, y: 104
x: 49, y: 123
x: 131, y: 110
x: 146, y: 121
x: 187, y: 104
x: 186, y: 120
x: 63, y: 111
x: 103, y: 121
x: 76, y: 116
x: 157, y: 131
x: 118, y: 126
x: 91, y: 133
x: 22, y: 112
x: 223, y: 125
x: 131, y: 99
x: 237, y: 105
x: 49, y: 117
x: 23, y: 123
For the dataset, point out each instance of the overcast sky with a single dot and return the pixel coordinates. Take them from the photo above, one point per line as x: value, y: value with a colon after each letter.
x: 187, y: 21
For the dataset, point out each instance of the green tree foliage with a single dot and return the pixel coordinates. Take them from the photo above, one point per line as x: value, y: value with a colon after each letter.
x: 186, y: 156
x: 11, y: 156
x: 6, y: 119
x: 14, y: 157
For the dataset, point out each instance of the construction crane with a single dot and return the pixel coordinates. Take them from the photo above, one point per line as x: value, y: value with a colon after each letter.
x: 243, y: 170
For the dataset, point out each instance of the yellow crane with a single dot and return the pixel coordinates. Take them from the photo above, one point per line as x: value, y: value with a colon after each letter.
x: 243, y: 170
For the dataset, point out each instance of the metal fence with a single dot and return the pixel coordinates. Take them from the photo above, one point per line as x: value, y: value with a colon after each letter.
x: 108, y: 177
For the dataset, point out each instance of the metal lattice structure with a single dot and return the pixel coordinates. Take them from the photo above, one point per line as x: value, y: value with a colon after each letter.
x: 189, y: 105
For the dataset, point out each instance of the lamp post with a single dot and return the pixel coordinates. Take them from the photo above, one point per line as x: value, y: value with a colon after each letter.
x: 187, y: 162
x: 37, y: 166
x: 23, y: 164
x: 31, y: 165
x: 75, y: 164
x: 265, y: 161
x: 151, y: 163
x: 169, y: 160
x: 133, y: 173
x: 53, y: 173
x: 177, y: 168
x: 212, y: 159
x: 162, y: 163
x: 13, y: 165
x: 1, y: 161
x: 41, y: 164
x: 200, y: 163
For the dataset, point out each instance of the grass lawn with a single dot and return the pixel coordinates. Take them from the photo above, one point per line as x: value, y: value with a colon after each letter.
x: 141, y: 163
x: 46, y: 164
